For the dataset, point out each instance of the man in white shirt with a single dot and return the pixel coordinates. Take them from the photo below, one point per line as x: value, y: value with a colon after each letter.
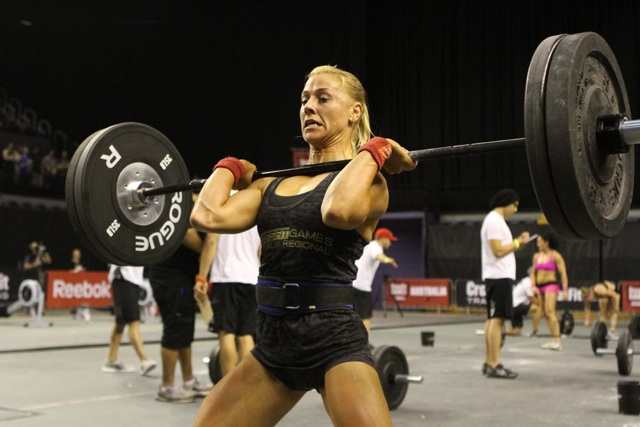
x: 368, y: 264
x: 498, y: 273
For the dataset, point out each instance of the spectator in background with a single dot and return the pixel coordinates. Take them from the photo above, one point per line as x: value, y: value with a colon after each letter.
x: 172, y: 283
x: 36, y: 174
x: 61, y: 171
x: 48, y: 169
x: 498, y: 249
x: 75, y: 265
x: 125, y: 288
x: 24, y: 168
x: 368, y: 264
x: 608, y: 302
x: 35, y: 262
x: 234, y: 260
x: 524, y: 302
x: 10, y: 158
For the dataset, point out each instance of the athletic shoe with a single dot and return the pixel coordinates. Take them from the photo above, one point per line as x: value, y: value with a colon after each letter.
x: 147, y: 366
x: 533, y: 334
x: 173, y: 395
x: 116, y: 368
x: 500, y: 372
x: 485, y: 368
x: 612, y: 336
x: 552, y: 345
x: 196, y: 388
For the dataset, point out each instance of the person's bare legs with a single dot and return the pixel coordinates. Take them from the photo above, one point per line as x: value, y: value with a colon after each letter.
x: 186, y: 366
x: 135, y: 337
x: 169, y: 361
x: 357, y: 402
x: 550, y: 301
x: 493, y: 340
x: 114, y: 342
x: 246, y: 387
x: 244, y: 344
x: 228, y: 353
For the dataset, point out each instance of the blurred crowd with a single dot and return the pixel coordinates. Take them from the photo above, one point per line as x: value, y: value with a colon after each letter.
x: 28, y: 170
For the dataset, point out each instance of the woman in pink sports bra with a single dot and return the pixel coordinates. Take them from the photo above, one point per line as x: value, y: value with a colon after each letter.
x: 549, y: 269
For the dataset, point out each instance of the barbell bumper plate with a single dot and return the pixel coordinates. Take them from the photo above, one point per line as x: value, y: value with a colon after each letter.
x: 624, y: 353
x: 215, y: 370
x: 390, y: 362
x: 599, y: 338
x: 594, y: 190
x: 124, y: 230
x: 536, y: 139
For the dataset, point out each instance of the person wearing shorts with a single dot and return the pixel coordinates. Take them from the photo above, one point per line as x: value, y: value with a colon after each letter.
x: 172, y: 281
x: 313, y: 226
x: 498, y: 273
x: 372, y: 256
x: 233, y: 277
x: 549, y: 269
x: 608, y: 298
x: 125, y: 288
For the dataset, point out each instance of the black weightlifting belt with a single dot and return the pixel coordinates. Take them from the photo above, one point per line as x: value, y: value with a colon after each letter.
x: 293, y: 296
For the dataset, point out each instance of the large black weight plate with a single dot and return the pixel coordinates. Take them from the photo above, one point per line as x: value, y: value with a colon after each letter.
x: 215, y: 371
x: 624, y: 353
x: 598, y: 336
x: 584, y: 83
x: 390, y: 361
x: 567, y: 322
x: 536, y: 139
x: 634, y: 326
x: 121, y: 228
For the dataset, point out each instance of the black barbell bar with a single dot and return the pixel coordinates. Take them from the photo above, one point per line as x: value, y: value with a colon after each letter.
x: 614, y: 135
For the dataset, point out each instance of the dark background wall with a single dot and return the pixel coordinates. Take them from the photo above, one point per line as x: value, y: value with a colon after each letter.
x: 223, y: 78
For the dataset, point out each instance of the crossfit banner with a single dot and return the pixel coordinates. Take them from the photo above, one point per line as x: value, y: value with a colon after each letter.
x: 67, y: 290
x: 418, y: 292
x: 472, y: 293
x: 630, y: 295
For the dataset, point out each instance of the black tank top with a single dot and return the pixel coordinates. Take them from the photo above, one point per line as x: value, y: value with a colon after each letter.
x: 298, y: 246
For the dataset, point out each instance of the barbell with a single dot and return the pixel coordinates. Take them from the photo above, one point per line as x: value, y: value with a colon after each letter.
x: 623, y: 351
x: 125, y: 184
x: 390, y: 363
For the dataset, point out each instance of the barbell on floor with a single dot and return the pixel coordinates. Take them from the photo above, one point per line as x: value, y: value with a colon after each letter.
x: 390, y: 362
x: 125, y: 183
x: 623, y: 351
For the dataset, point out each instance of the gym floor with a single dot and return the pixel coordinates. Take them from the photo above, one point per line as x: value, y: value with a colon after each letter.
x: 51, y: 376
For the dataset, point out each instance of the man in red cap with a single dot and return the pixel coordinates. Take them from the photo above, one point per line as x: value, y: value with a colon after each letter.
x: 368, y: 264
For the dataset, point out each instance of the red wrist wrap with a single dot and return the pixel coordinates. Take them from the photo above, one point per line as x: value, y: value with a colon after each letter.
x: 234, y: 165
x: 379, y: 148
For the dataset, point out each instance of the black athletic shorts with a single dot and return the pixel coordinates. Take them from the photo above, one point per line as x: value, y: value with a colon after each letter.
x: 234, y: 308
x: 299, y: 349
x: 363, y: 303
x: 125, y: 301
x: 173, y: 293
x: 499, y: 298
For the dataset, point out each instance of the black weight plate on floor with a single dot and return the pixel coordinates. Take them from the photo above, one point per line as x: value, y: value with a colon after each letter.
x: 390, y: 361
x: 634, y: 326
x: 567, y: 323
x: 123, y: 230
x: 215, y: 370
x: 594, y: 189
x: 598, y: 336
x: 624, y: 353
